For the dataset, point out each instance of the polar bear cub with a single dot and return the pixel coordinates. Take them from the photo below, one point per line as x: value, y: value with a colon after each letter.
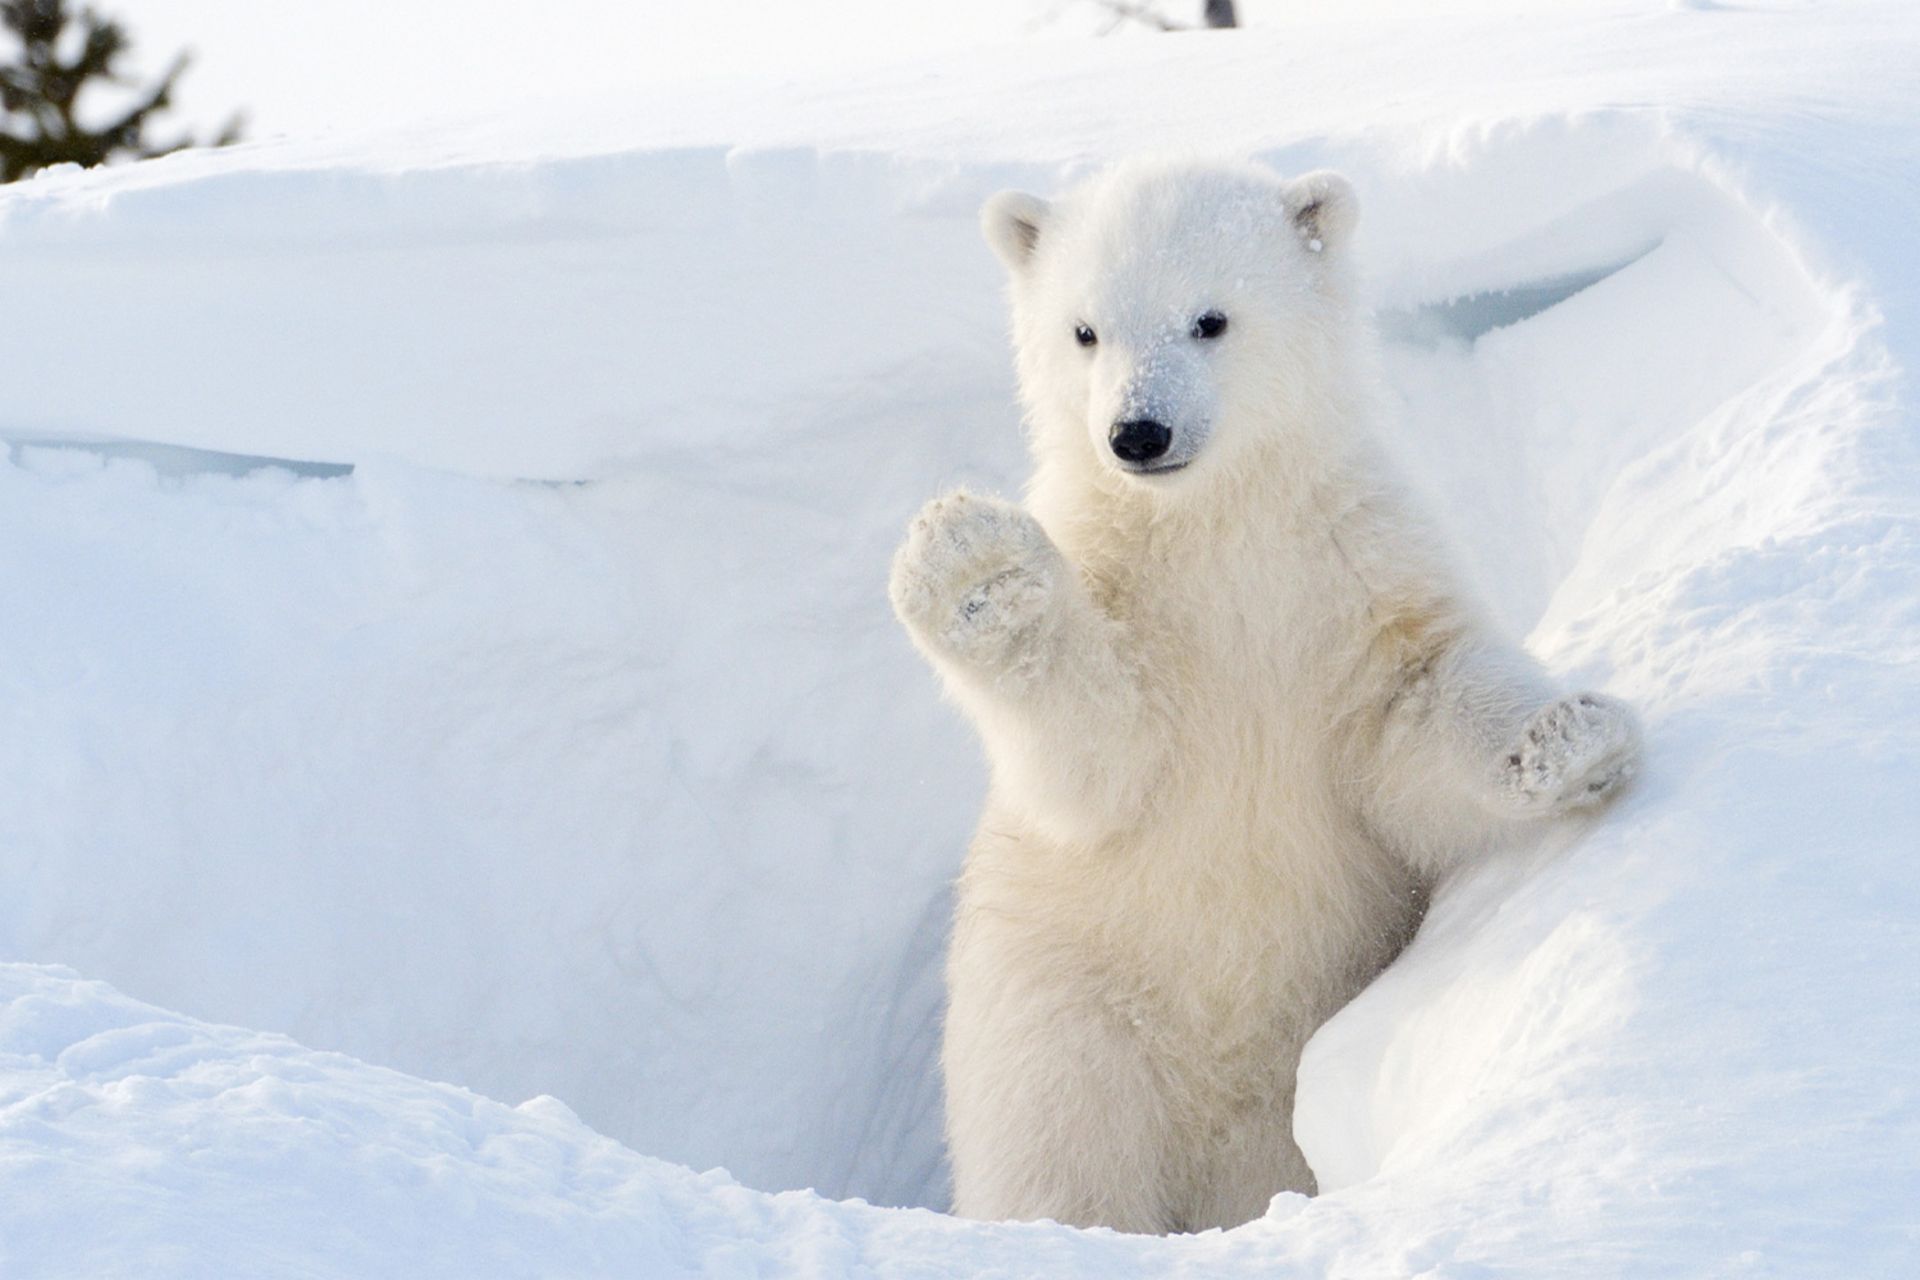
x: 1236, y: 711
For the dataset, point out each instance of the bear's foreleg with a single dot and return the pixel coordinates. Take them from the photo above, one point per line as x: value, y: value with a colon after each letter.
x: 1476, y: 744
x: 1027, y: 653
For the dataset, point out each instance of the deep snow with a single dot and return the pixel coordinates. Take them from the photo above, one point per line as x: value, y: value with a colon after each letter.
x: 563, y: 745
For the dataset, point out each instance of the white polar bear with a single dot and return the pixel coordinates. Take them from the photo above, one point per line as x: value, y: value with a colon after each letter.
x: 1237, y: 712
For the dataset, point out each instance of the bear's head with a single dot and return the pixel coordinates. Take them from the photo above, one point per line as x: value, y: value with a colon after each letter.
x: 1168, y: 316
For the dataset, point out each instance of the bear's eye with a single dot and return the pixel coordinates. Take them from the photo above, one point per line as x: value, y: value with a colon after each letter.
x: 1084, y: 336
x: 1210, y: 324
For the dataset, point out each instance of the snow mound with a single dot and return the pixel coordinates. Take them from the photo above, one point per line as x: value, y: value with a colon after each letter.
x: 214, y: 1151
x: 461, y: 645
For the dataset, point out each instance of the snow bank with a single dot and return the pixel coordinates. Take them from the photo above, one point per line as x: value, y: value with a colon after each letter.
x: 135, y: 1142
x: 540, y: 726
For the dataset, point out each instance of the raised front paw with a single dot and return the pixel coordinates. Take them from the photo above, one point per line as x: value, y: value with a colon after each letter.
x: 974, y: 578
x: 1572, y: 754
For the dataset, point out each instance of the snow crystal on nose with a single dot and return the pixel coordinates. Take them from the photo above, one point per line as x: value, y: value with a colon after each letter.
x: 1164, y: 383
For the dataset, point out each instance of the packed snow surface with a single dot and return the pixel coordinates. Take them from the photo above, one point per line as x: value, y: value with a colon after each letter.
x: 445, y: 630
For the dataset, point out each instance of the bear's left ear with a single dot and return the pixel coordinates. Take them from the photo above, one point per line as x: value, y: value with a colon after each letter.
x: 1011, y: 222
x: 1323, y: 209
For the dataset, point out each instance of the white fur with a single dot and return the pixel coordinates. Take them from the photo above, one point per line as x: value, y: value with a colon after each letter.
x: 1237, y: 716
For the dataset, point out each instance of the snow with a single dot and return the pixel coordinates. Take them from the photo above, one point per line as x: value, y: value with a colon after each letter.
x: 535, y: 721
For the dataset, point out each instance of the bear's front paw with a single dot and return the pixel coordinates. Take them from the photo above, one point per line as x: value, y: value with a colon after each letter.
x: 974, y: 578
x: 1572, y: 754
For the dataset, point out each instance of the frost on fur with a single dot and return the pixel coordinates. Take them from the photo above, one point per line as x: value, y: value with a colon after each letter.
x: 1238, y: 715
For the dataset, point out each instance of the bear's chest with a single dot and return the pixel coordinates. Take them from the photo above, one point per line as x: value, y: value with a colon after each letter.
x: 1248, y: 688
x: 1262, y: 628
x: 1222, y: 982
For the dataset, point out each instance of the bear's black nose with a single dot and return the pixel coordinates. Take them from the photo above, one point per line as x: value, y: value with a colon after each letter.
x: 1141, y: 440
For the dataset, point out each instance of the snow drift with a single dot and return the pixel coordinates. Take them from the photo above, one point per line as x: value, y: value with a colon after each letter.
x: 445, y: 626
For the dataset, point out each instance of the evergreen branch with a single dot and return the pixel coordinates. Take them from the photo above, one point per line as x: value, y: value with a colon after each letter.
x: 39, y: 92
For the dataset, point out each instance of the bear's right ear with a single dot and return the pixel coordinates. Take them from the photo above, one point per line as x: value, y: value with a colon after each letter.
x: 1011, y: 221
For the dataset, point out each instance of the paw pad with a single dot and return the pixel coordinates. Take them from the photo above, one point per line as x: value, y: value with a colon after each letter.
x: 1572, y: 753
x: 973, y: 576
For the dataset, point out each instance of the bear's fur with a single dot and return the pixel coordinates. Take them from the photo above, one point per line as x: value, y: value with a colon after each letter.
x: 1238, y: 713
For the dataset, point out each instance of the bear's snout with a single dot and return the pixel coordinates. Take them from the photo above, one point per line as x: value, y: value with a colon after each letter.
x: 1139, y: 440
